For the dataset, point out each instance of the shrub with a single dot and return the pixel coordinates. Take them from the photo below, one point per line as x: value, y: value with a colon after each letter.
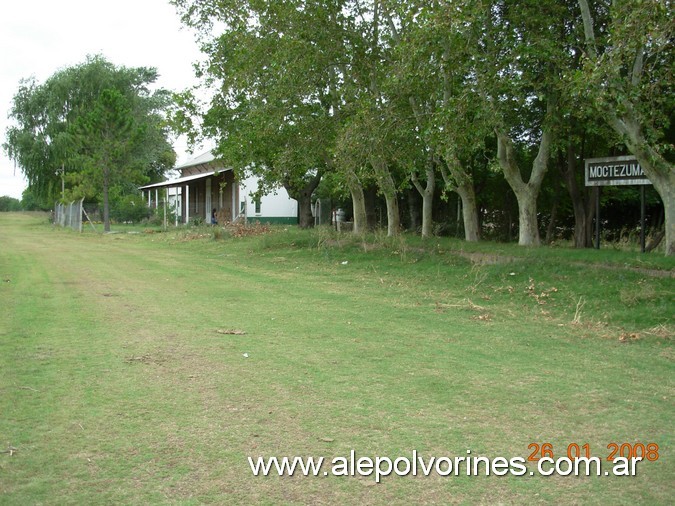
x: 130, y: 208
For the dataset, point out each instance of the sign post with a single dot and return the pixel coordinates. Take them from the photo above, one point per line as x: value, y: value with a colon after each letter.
x: 616, y: 171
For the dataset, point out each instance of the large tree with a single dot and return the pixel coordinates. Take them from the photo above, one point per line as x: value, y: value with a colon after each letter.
x: 88, y: 128
x: 271, y: 71
x: 628, y: 73
x: 522, y: 53
x: 289, y: 80
x: 433, y: 70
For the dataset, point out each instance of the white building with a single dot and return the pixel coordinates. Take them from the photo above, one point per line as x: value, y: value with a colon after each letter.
x: 205, y: 185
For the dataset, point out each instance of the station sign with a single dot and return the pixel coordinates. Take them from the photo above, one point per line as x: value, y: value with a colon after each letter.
x: 615, y: 171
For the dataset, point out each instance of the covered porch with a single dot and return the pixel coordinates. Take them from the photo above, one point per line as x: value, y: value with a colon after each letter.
x: 198, y: 195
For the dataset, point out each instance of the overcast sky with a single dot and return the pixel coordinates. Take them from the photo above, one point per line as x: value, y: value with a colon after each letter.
x: 39, y: 37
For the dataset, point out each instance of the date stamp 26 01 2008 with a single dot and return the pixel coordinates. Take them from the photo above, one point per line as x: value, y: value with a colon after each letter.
x: 641, y: 451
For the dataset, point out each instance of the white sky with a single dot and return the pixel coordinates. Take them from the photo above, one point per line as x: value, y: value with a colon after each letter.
x: 39, y: 37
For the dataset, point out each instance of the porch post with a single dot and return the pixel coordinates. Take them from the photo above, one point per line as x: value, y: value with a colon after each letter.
x: 175, y: 210
x: 233, y: 188
x: 166, y: 198
x: 187, y: 204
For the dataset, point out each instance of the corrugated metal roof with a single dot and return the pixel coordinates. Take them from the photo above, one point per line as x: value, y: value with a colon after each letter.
x: 181, y: 180
x: 198, y: 160
x: 202, y: 159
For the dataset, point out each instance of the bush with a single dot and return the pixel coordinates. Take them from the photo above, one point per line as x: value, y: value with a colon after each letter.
x: 130, y: 208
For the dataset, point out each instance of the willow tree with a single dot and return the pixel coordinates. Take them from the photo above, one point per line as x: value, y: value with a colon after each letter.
x: 90, y: 127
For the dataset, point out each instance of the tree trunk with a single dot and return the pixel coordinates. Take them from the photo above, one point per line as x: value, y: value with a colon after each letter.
x: 393, y: 218
x: 305, y: 218
x: 304, y: 197
x: 370, y: 196
x: 388, y: 189
x: 469, y: 212
x: 414, y: 202
x: 462, y: 183
x: 550, y: 229
x: 526, y: 193
x: 528, y: 226
x: 568, y: 169
x: 427, y: 193
x: 106, y: 200
x: 358, y: 202
x: 427, y: 214
x: 660, y: 172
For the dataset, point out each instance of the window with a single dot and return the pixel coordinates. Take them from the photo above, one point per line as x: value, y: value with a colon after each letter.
x: 257, y: 205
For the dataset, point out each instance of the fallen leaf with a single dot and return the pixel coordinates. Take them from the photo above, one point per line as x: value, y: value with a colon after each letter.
x: 234, y: 332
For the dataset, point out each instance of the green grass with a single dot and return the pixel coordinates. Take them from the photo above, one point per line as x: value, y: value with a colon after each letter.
x: 116, y: 387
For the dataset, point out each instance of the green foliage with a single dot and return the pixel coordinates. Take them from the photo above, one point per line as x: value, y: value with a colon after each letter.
x: 271, y: 114
x: 10, y: 204
x: 197, y: 221
x: 633, y: 69
x: 363, y: 92
x: 30, y: 203
x: 92, y: 126
x: 130, y: 208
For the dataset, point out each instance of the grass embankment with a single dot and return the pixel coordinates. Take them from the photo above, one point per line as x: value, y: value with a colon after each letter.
x: 116, y: 386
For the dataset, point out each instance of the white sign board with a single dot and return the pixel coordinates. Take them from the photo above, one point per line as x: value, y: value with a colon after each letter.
x: 615, y: 171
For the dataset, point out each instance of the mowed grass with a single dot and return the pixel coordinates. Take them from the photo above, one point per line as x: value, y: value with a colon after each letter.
x: 117, y: 388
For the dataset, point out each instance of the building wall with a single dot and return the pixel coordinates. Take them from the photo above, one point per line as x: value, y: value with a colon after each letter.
x: 275, y: 207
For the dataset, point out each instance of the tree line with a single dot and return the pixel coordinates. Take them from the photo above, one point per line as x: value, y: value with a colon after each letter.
x: 434, y: 97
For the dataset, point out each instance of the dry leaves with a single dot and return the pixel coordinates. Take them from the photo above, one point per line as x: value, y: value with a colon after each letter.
x: 628, y: 337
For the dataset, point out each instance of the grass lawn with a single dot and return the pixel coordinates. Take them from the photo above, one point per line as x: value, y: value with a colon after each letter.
x: 116, y: 386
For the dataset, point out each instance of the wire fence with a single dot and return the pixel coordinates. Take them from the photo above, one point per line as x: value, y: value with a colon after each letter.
x: 69, y: 215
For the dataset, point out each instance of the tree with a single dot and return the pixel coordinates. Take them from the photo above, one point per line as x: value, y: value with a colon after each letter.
x: 271, y: 71
x: 522, y: 56
x: 291, y: 78
x: 435, y: 74
x: 628, y: 73
x: 87, y: 128
x: 29, y: 203
x: 9, y: 204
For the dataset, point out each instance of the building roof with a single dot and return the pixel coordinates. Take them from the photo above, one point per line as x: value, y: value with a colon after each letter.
x: 181, y: 180
x: 202, y: 159
x: 198, y: 160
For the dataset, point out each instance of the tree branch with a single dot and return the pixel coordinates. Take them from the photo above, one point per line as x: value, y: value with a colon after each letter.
x: 638, y: 65
x: 415, y: 180
x: 506, y: 157
x: 588, y: 28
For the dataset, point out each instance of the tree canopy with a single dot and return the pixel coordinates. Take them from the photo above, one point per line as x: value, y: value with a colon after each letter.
x: 89, y: 128
x: 500, y: 100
